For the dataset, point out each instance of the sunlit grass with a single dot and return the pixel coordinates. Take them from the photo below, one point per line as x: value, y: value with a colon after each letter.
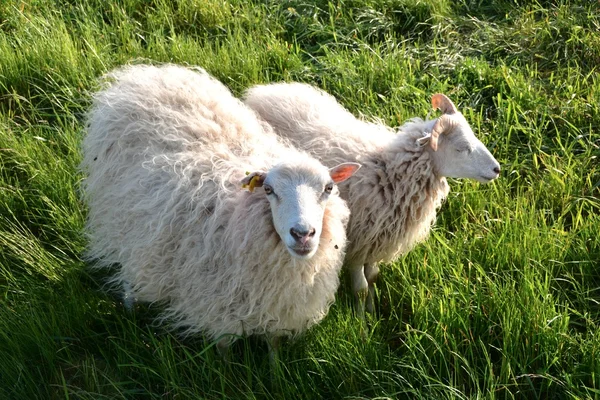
x: 502, y: 301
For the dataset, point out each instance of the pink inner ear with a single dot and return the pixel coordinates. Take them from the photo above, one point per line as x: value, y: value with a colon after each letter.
x: 343, y: 171
x: 443, y: 103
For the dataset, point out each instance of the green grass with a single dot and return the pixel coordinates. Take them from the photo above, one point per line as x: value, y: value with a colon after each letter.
x: 502, y: 301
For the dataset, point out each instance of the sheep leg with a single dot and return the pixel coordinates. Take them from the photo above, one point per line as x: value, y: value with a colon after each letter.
x: 224, y: 349
x: 273, y: 343
x: 128, y: 296
x: 226, y: 340
x: 371, y: 273
x: 361, y: 289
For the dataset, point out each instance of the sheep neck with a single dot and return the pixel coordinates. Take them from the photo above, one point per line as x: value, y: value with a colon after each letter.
x: 394, y: 198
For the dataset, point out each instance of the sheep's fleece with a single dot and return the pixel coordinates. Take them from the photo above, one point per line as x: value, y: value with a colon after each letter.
x: 165, y: 152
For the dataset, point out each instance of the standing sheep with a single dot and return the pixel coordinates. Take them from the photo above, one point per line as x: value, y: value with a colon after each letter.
x: 393, y: 199
x: 166, y: 154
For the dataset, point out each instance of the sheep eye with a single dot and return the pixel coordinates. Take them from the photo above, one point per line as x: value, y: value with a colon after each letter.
x: 329, y: 188
x: 268, y: 189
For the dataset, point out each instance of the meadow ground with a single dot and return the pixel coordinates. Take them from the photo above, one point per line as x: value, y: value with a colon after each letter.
x: 502, y: 301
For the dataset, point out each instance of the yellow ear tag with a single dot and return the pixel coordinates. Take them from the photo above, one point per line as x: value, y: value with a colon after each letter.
x: 252, y: 184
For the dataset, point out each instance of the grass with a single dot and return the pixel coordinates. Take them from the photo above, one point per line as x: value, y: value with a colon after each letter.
x: 502, y: 301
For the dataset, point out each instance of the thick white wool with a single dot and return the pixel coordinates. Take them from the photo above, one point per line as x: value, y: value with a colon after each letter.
x: 165, y: 151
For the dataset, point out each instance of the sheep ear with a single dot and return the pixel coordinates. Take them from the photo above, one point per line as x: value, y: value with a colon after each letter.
x: 424, y: 140
x: 442, y: 125
x: 443, y: 103
x: 343, y: 171
x: 254, y: 180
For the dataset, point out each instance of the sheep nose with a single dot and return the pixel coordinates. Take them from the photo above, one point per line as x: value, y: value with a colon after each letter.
x: 497, y: 170
x: 301, y: 234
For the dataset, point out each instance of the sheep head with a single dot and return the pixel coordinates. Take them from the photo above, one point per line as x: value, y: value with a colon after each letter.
x: 457, y: 151
x: 297, y: 191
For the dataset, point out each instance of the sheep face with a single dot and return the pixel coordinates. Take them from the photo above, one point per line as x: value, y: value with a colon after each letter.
x: 457, y: 152
x: 461, y: 155
x: 298, y: 194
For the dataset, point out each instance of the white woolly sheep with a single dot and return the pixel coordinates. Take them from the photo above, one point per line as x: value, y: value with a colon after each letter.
x: 394, y: 197
x: 166, y: 154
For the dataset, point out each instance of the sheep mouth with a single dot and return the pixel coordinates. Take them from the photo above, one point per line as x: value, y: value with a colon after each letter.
x: 486, y: 179
x: 302, y: 252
